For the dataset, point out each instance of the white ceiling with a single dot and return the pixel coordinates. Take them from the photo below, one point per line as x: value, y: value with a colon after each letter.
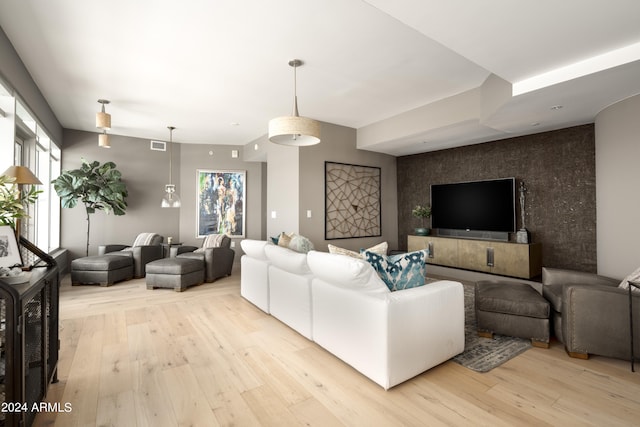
x: 205, y: 65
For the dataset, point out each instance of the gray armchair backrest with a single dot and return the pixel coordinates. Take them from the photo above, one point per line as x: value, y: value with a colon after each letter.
x: 216, y: 241
x: 148, y: 239
x: 216, y: 254
x: 146, y: 248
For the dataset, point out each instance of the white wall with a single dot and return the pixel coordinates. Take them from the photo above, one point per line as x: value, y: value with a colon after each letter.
x: 283, y: 189
x: 618, y: 188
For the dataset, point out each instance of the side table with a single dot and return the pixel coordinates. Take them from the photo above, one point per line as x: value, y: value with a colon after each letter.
x: 631, y: 286
x: 167, y: 248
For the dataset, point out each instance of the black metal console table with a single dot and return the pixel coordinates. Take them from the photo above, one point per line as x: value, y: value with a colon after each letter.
x: 29, y: 342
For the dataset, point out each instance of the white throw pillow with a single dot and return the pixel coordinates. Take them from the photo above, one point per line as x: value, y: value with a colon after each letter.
x: 633, y: 277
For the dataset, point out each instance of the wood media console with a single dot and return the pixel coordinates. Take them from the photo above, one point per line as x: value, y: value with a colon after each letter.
x: 503, y: 258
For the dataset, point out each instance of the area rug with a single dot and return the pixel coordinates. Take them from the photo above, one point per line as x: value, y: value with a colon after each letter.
x: 484, y: 354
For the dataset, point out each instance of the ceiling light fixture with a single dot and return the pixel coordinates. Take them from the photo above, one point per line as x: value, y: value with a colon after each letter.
x: 103, y: 140
x: 294, y: 130
x: 171, y: 198
x: 103, y: 120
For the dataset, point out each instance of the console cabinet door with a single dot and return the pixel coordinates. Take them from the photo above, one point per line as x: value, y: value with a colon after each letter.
x: 517, y: 260
x: 441, y: 251
x: 473, y: 255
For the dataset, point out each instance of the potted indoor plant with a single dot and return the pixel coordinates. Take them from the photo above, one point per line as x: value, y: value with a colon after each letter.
x: 422, y: 212
x: 98, y: 187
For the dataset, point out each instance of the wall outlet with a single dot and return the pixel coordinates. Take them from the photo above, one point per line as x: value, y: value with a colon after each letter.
x: 233, y: 244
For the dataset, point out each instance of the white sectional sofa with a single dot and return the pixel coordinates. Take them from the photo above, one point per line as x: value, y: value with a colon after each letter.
x: 290, y: 288
x: 340, y: 303
x: 254, y: 277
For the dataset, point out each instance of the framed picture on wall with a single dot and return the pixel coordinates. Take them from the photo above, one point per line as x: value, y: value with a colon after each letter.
x: 221, y: 202
x: 352, y: 201
x: 9, y: 251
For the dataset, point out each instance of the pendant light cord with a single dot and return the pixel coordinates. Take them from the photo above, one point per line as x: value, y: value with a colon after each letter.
x: 295, y: 90
x: 171, y: 128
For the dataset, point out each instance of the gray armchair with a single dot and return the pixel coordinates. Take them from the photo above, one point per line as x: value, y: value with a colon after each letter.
x: 147, y: 247
x: 591, y: 313
x: 216, y: 253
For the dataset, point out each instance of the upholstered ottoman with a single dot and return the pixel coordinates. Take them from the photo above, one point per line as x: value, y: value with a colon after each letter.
x: 175, y: 273
x: 103, y: 270
x: 512, y: 308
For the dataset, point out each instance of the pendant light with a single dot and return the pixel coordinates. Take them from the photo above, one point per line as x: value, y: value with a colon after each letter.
x: 103, y: 121
x: 294, y: 130
x: 171, y: 198
x: 103, y: 140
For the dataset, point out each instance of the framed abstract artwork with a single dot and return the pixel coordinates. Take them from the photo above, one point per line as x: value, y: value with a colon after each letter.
x: 221, y: 202
x: 352, y: 201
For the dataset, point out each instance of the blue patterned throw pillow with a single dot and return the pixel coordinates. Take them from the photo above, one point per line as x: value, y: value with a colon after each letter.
x: 399, y: 272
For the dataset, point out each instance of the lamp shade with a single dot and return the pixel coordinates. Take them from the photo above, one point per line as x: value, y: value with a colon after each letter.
x: 103, y: 120
x: 103, y: 140
x: 294, y: 130
x: 22, y: 174
x: 170, y: 198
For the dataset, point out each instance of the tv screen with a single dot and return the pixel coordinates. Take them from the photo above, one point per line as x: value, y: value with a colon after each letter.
x: 478, y: 206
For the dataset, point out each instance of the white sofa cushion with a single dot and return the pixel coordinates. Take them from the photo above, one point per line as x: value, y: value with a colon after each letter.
x: 392, y: 337
x: 254, y: 281
x: 290, y: 299
x: 254, y: 248
x: 345, y: 271
x: 287, y: 259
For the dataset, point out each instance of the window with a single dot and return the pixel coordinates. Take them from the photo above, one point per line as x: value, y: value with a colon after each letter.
x: 26, y: 142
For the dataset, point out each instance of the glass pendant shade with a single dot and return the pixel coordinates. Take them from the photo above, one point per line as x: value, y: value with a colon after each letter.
x: 294, y: 130
x: 170, y: 198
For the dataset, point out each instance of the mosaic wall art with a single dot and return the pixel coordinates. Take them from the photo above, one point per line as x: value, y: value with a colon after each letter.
x: 352, y: 201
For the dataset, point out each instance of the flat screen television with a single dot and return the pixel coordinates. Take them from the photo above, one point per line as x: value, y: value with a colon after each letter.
x: 474, y: 206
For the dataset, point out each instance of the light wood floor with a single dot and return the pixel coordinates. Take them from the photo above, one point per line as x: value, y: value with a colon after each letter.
x: 206, y: 357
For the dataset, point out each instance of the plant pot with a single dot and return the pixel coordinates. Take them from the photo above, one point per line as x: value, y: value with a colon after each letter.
x: 421, y: 231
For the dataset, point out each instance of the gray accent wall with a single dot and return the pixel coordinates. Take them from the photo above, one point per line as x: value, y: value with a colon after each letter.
x: 194, y: 157
x: 558, y: 169
x: 339, y: 145
x: 296, y: 185
x: 146, y: 172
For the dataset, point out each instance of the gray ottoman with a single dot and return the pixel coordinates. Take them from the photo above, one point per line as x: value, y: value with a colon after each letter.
x: 514, y: 309
x: 175, y: 273
x: 103, y: 270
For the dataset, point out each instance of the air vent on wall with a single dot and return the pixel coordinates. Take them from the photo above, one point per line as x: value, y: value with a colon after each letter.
x: 159, y: 145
